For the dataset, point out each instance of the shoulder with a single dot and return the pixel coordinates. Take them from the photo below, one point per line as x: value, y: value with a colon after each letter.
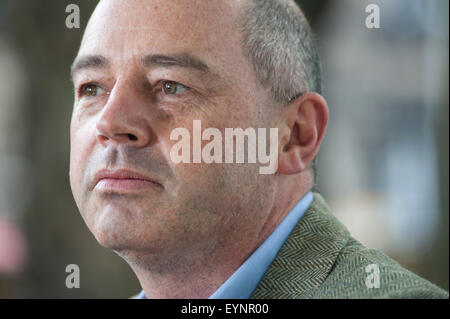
x: 320, y: 259
x: 360, y: 272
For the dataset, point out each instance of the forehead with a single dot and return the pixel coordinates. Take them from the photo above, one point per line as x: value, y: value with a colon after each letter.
x: 127, y: 29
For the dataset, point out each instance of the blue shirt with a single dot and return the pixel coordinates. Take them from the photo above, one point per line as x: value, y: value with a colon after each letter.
x: 244, y: 280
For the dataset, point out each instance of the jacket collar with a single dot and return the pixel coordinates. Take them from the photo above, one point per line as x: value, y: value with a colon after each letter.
x: 307, y: 256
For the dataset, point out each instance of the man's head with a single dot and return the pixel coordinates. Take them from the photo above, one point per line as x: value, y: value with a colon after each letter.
x: 147, y: 67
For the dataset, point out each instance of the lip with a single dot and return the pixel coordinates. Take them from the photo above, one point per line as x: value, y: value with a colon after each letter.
x: 123, y: 181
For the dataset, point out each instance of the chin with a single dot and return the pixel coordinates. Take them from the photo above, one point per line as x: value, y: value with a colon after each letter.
x: 113, y: 235
x: 111, y: 226
x: 113, y: 239
x: 119, y: 237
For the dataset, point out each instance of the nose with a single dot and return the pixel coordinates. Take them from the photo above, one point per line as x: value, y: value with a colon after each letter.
x: 123, y: 119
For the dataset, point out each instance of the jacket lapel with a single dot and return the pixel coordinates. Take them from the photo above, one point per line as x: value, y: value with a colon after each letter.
x: 307, y: 256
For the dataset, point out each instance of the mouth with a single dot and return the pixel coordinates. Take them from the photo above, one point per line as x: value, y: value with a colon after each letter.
x: 123, y: 181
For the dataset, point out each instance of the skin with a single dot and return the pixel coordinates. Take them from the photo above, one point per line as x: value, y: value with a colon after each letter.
x: 186, y: 235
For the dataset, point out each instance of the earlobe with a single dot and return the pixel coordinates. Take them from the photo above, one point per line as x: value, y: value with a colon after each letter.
x: 290, y: 161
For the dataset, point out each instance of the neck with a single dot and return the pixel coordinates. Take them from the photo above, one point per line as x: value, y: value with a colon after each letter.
x: 187, y: 276
x: 288, y: 193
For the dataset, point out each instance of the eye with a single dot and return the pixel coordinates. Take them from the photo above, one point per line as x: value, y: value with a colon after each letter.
x: 91, y: 90
x: 173, y: 88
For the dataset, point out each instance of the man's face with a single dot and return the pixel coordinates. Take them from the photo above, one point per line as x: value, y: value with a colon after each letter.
x: 126, y: 107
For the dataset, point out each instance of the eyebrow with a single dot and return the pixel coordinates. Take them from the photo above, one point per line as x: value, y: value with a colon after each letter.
x: 88, y: 62
x: 183, y: 60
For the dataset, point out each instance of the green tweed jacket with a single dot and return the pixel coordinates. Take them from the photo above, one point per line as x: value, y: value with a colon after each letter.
x: 320, y: 259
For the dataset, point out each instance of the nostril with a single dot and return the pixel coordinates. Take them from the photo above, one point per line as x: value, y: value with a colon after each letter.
x: 132, y: 137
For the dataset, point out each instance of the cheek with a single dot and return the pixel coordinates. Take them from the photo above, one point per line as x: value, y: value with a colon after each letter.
x: 210, y: 188
x: 80, y: 149
x: 74, y: 172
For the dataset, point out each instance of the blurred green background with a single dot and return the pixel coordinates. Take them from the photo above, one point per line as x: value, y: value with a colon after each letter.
x: 383, y: 167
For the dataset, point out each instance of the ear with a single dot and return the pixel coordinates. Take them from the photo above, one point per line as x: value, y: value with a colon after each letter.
x: 305, y: 120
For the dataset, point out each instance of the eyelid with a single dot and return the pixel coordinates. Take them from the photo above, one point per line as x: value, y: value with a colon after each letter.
x: 160, y: 86
x: 81, y: 87
x: 170, y: 81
